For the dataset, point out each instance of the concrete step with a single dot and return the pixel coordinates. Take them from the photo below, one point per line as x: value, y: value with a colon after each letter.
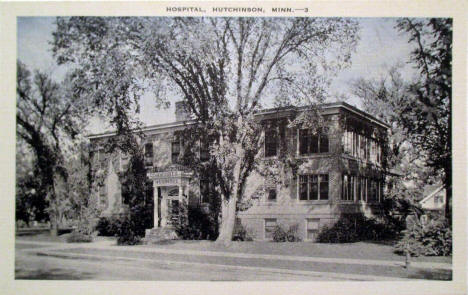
x: 155, y: 235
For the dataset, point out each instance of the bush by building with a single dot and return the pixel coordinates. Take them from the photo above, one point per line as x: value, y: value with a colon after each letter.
x: 195, y: 224
x: 241, y: 233
x: 290, y: 235
x: 108, y: 226
x: 431, y: 239
x: 354, y: 228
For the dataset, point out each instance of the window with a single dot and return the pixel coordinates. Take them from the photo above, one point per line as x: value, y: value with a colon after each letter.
x: 271, y: 143
x: 323, y: 143
x: 204, y: 153
x: 102, y: 158
x: 270, y: 225
x: 272, y: 194
x: 205, y: 190
x: 124, y: 161
x: 125, y: 193
x: 359, y: 145
x: 361, y: 188
x: 373, y: 191
x: 347, y: 188
x: 149, y: 154
x: 149, y: 193
x: 310, y: 143
x: 103, y: 195
x: 313, y: 187
x: 312, y: 227
x: 175, y: 151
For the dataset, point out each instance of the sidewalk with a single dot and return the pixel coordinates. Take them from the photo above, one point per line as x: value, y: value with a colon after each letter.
x: 110, y: 245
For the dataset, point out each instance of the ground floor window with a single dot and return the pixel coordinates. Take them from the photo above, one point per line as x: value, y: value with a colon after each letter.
x: 270, y: 225
x: 359, y: 188
x: 205, y: 188
x: 312, y: 227
x: 313, y: 187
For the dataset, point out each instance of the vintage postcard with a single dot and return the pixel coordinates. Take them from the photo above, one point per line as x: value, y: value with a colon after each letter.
x: 230, y: 147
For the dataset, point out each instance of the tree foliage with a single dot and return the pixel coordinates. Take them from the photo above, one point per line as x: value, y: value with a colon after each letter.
x: 419, y: 110
x: 49, y: 118
x: 427, y: 115
x: 224, y: 69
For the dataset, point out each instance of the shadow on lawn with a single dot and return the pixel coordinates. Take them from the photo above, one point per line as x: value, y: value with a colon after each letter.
x: 436, y: 274
x: 51, y: 274
x: 383, y: 242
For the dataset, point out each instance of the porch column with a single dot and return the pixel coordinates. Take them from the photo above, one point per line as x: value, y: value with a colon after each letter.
x: 155, y: 200
x: 181, y: 195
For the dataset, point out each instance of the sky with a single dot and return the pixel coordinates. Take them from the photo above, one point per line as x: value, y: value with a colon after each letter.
x: 381, y: 46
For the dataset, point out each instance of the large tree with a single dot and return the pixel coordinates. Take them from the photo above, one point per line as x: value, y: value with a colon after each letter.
x: 427, y: 115
x: 407, y: 172
x: 419, y: 108
x: 48, y: 119
x: 224, y: 69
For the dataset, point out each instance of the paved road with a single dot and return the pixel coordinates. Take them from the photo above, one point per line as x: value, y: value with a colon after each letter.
x: 30, y: 266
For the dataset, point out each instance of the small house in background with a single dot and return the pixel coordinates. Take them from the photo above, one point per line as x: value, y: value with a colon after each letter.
x: 434, y: 199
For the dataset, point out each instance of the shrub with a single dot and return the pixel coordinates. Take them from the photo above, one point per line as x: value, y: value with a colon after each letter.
x: 281, y: 235
x: 78, y: 237
x: 194, y: 224
x: 241, y: 234
x: 108, y: 226
x: 433, y: 239
x: 127, y: 233
x: 356, y: 227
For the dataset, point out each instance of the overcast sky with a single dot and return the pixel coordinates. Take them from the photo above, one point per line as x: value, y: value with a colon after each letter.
x: 380, y: 47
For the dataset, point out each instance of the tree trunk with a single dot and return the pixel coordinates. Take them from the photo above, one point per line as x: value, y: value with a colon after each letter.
x: 53, y: 213
x: 53, y: 224
x: 228, y: 219
x: 448, y: 197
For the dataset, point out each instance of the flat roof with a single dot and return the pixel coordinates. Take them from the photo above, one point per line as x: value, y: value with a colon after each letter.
x: 341, y: 104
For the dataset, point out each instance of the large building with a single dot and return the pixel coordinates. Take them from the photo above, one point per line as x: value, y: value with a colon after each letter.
x: 337, y: 168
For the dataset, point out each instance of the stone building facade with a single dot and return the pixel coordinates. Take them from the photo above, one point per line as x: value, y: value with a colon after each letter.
x: 335, y: 169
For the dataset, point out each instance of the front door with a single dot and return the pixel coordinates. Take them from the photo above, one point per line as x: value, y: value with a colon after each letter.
x: 173, y: 211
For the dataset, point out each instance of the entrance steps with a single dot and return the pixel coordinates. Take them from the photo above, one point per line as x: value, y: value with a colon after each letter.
x: 155, y: 235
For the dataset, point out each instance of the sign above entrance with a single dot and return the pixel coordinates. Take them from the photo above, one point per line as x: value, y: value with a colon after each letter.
x: 170, y: 177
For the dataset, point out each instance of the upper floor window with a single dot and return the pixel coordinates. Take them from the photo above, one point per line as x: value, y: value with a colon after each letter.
x: 175, y: 151
x: 271, y: 194
x: 271, y: 143
x: 310, y: 143
x: 204, y: 154
x: 313, y: 187
x: 364, y: 147
x: 149, y: 150
x: 149, y: 154
x: 124, y: 161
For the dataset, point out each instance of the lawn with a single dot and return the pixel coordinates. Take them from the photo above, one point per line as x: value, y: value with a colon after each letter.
x: 359, y: 250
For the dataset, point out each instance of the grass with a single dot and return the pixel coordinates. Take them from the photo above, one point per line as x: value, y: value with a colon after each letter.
x: 43, y: 237
x: 359, y: 250
x: 390, y: 271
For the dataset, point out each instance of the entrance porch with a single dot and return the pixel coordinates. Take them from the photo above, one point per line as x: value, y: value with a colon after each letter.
x: 170, y: 189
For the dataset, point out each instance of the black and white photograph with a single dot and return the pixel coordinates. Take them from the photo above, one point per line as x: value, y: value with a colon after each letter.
x: 234, y: 148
